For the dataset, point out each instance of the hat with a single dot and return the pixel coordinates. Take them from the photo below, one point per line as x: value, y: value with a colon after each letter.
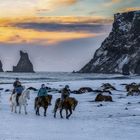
x: 17, y: 78
x: 66, y: 86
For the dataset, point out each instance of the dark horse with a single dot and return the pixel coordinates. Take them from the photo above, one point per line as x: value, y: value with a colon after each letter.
x: 68, y: 104
x: 43, y: 101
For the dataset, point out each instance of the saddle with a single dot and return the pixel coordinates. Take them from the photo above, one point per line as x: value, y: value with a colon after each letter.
x: 62, y: 101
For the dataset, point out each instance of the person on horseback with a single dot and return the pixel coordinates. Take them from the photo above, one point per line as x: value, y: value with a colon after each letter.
x: 16, y: 84
x: 18, y: 90
x: 42, y: 91
x: 65, y: 92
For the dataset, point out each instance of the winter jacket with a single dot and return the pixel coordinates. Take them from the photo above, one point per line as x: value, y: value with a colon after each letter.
x: 65, y: 93
x: 42, y: 92
x: 19, y: 89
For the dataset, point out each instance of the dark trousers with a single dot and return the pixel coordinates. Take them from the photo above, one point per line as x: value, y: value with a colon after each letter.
x: 17, y: 98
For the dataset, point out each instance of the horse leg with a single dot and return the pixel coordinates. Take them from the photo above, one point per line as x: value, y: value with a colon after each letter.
x: 25, y: 110
x: 61, y: 113
x: 37, y: 110
x: 45, y: 109
x: 70, y: 113
x: 55, y: 110
x: 15, y: 109
x: 12, y: 108
x: 19, y: 109
x: 66, y: 113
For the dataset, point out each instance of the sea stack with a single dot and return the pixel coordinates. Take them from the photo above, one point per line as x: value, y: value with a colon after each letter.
x: 24, y: 64
x: 120, y: 52
x: 1, y: 69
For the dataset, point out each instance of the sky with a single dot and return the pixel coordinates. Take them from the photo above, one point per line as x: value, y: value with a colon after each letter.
x: 59, y: 35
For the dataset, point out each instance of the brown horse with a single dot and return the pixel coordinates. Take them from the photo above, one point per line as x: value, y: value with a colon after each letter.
x: 43, y: 101
x: 68, y: 104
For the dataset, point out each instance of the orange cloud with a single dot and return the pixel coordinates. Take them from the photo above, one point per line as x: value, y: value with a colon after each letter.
x: 10, y: 33
x: 17, y: 35
x: 64, y: 2
x: 57, y: 19
x: 108, y: 4
x: 129, y: 9
x: 50, y: 5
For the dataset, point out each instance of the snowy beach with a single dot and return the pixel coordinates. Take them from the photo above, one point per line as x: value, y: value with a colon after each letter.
x: 118, y: 120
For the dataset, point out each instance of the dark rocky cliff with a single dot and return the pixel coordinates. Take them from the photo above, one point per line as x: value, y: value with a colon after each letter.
x: 120, y: 52
x: 24, y: 64
x: 1, y: 69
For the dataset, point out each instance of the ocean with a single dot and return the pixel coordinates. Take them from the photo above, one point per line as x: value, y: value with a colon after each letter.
x: 8, y: 78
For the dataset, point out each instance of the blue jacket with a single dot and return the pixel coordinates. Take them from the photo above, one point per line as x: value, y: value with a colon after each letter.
x: 19, y: 90
x: 42, y: 92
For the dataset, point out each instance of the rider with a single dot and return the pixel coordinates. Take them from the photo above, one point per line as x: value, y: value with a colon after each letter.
x: 65, y: 93
x: 16, y: 84
x: 18, y: 90
x: 42, y: 91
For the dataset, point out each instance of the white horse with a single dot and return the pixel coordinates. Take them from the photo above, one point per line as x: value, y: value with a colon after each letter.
x: 22, y: 101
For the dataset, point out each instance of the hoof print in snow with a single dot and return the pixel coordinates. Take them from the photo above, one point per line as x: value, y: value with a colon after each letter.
x: 110, y: 116
x: 126, y: 108
x: 99, y: 105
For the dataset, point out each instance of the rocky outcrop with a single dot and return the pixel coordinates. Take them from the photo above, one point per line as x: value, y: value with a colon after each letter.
x: 120, y: 52
x: 24, y: 64
x: 1, y: 69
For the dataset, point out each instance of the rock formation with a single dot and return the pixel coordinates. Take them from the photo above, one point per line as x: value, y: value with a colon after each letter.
x: 120, y: 52
x: 1, y: 69
x: 24, y: 64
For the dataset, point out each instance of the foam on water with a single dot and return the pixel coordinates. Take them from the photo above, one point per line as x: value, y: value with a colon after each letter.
x: 6, y: 78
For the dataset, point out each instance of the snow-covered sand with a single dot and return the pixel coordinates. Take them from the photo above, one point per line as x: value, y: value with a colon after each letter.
x: 88, y: 122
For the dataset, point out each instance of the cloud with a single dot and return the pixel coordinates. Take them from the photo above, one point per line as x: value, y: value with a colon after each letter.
x: 50, y: 30
x: 15, y: 35
x: 112, y: 2
x: 10, y: 8
x: 129, y: 9
x: 50, y: 5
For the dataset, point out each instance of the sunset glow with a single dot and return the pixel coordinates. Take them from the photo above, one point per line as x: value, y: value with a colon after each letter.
x: 56, y: 32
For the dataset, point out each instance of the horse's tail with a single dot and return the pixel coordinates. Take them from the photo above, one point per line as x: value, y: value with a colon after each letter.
x: 56, y: 105
x: 75, y: 104
x: 35, y: 103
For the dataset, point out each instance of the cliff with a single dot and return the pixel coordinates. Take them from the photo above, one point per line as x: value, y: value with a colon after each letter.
x: 120, y: 51
x: 24, y: 64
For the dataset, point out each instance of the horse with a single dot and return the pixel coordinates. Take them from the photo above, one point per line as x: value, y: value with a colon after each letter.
x: 68, y: 104
x: 22, y: 101
x: 43, y: 101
